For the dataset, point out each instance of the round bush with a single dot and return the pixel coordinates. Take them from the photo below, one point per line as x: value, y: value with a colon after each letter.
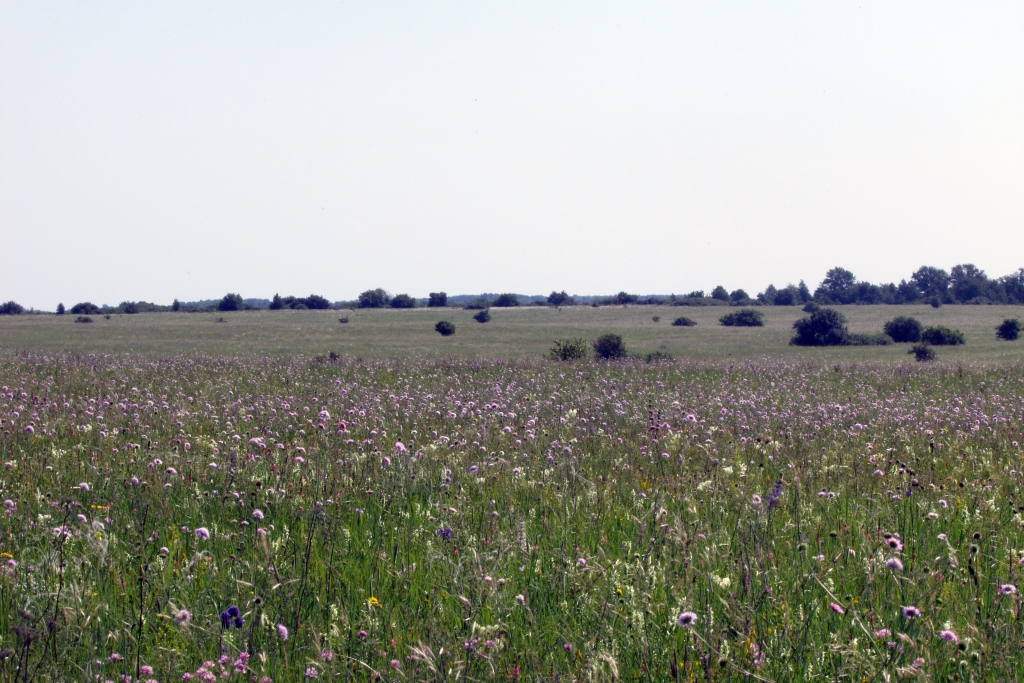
x: 904, y: 329
x: 445, y: 328
x: 748, y: 317
x: 1009, y: 329
x: 683, y: 321
x: 941, y: 335
x: 483, y: 316
x: 824, y: 327
x: 922, y: 353
x: 570, y: 349
x: 609, y: 346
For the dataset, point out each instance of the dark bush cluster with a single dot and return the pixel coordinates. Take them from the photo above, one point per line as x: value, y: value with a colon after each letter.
x: 85, y: 308
x: 747, y: 317
x: 232, y: 302
x: 444, y: 328
x: 483, y: 316
x: 570, y: 349
x: 83, y: 319
x: 609, y: 346
x: 313, y: 302
x: 941, y: 335
x: 478, y: 304
x: 824, y: 327
x: 506, y: 301
x: 904, y: 329
x: 561, y: 299
x: 922, y: 353
x: 374, y: 298
x: 1009, y: 329
x: 11, y: 308
x: 437, y: 300
x: 683, y: 321
x: 864, y: 339
x: 403, y: 301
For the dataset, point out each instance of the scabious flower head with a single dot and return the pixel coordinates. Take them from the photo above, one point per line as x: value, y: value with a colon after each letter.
x: 949, y: 636
x: 182, y: 617
x: 1007, y: 589
x: 311, y: 672
x: 883, y: 633
x: 894, y: 563
x: 257, y: 513
x: 910, y: 612
x: 687, y: 619
x: 203, y: 533
x: 837, y: 608
x: 282, y: 631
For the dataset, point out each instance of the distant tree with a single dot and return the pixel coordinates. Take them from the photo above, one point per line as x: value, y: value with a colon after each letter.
x: 403, y: 301
x: 478, y: 304
x: 683, y: 321
x: 790, y: 296
x: 610, y: 346
x: 622, y: 299
x: 696, y: 294
x: 811, y: 307
x: 85, y: 308
x: 940, y: 335
x: 483, y: 316
x: 316, y: 302
x: 231, y: 302
x: 11, y: 308
x: 768, y: 295
x: 506, y: 301
x: 570, y: 349
x: 936, y: 302
x: 748, y: 317
x: 837, y: 287
x: 176, y: 306
x: 1009, y: 329
x: 931, y: 282
x: 968, y: 282
x: 129, y: 307
x: 719, y: 293
x: 804, y: 292
x: 904, y: 329
x: 906, y: 293
x: 738, y: 295
x: 374, y: 298
x: 824, y: 327
x: 60, y: 309
x: 560, y: 299
x: 1013, y: 286
x: 922, y: 353
x: 445, y: 328
x: 437, y: 300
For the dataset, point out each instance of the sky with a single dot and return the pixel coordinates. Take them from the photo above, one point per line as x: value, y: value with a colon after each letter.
x: 152, y: 151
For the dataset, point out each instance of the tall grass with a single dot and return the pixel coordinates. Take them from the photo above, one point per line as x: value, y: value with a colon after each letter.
x: 508, y: 520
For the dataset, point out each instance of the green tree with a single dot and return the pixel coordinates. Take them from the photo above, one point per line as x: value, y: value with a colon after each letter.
x: 437, y: 300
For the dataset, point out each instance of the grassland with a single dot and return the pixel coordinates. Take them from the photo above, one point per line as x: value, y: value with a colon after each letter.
x: 512, y: 333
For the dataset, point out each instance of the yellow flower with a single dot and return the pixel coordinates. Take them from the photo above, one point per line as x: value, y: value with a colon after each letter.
x: 7, y: 555
x: 373, y: 602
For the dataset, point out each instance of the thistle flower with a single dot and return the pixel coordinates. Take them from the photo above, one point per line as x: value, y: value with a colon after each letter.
x: 687, y: 619
x: 282, y: 631
x: 203, y: 533
x: 910, y: 613
x: 1007, y: 589
x: 949, y: 636
x: 894, y: 563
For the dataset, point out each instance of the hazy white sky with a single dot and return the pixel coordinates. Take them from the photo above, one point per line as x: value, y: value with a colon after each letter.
x: 159, y: 150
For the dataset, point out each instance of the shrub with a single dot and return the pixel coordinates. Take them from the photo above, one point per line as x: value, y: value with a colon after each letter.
x: 11, y: 308
x: 623, y: 298
x: 1009, y: 329
x: 876, y: 339
x: 437, y: 300
x: 85, y: 308
x: 60, y: 309
x: 570, y: 349
x: 936, y: 303
x: 374, y: 298
x: 719, y: 293
x: 343, y: 321
x: 316, y: 302
x: 941, y: 335
x: 748, y: 317
x: 444, y: 328
x: 560, y: 299
x: 478, y: 304
x: 176, y: 306
x: 922, y: 353
x: 696, y: 294
x: 403, y: 301
x: 83, y: 319
x: 683, y: 321
x: 609, y: 346
x: 130, y: 308
x: 506, y: 301
x: 738, y: 295
x: 811, y: 307
x: 904, y: 329
x: 656, y: 318
x: 483, y: 316
x: 656, y: 356
x: 231, y: 302
x: 824, y: 327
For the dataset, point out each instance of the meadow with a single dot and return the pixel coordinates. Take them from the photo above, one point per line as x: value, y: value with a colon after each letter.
x: 525, y: 332
x: 284, y: 518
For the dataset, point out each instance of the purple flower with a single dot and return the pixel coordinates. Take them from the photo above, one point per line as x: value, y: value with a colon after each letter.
x: 910, y: 613
x: 837, y: 608
x: 894, y: 563
x: 203, y: 533
x: 445, y: 533
x: 687, y: 619
x: 282, y: 631
x: 257, y: 513
x: 949, y: 636
x: 1007, y: 589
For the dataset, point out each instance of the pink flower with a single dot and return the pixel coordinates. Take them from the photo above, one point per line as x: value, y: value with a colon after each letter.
x: 282, y: 631
x: 203, y: 533
x: 400, y: 447
x: 883, y: 633
x: 949, y: 636
x: 837, y: 608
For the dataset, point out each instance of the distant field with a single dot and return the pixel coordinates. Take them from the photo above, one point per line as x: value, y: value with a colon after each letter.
x: 512, y: 333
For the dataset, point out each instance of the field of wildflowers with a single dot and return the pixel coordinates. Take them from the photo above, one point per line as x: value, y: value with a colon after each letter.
x: 202, y: 518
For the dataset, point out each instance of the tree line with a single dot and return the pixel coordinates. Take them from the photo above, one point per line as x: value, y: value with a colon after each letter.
x: 963, y: 284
